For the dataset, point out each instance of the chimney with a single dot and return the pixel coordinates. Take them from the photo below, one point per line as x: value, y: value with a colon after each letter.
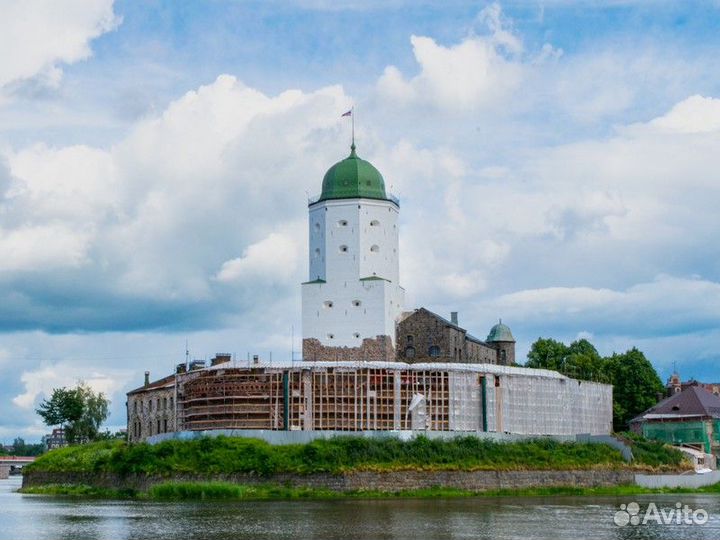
x: 147, y: 378
x: 454, y: 317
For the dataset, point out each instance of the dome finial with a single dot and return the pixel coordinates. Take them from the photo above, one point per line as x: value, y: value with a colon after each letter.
x: 352, y: 149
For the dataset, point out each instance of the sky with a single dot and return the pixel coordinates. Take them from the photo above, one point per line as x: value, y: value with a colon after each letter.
x: 556, y: 162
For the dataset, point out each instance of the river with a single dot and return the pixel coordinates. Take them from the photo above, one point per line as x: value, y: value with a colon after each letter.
x: 38, y: 517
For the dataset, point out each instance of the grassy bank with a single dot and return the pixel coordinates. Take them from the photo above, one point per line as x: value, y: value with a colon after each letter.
x: 172, y: 491
x: 225, y: 455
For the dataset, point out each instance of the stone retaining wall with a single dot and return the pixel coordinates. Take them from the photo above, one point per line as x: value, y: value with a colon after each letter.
x: 362, y: 480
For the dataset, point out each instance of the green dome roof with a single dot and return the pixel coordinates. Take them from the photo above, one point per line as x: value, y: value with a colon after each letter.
x: 500, y: 332
x: 353, y: 178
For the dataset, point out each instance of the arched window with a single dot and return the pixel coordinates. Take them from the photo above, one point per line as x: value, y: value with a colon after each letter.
x: 434, y: 351
x: 503, y: 356
x: 410, y: 352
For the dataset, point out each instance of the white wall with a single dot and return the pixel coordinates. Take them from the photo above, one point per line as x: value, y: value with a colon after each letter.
x: 352, y: 239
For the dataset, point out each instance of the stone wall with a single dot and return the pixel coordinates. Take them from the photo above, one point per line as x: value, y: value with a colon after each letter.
x: 362, y: 480
x: 150, y: 412
x: 379, y: 349
x: 423, y: 330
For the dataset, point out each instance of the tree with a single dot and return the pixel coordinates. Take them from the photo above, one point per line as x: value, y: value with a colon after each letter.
x: 636, y: 386
x: 547, y: 354
x: 79, y: 410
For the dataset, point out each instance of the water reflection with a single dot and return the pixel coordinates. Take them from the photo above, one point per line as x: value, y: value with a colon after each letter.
x: 40, y: 517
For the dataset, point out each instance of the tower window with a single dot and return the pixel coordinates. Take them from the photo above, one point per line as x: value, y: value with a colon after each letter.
x: 410, y: 340
x: 328, y: 304
x: 356, y: 303
x: 374, y: 223
x: 434, y: 351
x: 375, y: 248
x: 410, y: 352
x: 343, y: 223
x: 343, y: 249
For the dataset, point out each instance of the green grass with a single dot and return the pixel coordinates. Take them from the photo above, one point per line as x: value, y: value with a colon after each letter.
x: 226, y: 455
x: 228, y: 491
x: 652, y: 453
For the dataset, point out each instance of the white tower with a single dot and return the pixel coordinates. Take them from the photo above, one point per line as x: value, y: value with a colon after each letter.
x: 353, y: 294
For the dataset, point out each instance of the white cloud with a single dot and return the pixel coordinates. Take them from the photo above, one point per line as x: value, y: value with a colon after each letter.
x: 274, y: 258
x: 696, y: 114
x: 38, y: 35
x: 473, y: 74
x: 651, y: 308
x: 39, y: 383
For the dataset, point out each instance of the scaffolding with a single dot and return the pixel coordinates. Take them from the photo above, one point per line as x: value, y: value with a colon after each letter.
x: 388, y: 396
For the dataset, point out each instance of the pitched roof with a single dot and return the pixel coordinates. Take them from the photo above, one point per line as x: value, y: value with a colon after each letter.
x: 160, y: 383
x: 693, y: 401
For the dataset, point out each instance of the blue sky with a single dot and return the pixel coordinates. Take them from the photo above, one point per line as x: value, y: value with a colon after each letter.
x: 555, y: 161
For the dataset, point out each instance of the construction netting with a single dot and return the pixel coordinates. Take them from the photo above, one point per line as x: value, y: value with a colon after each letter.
x: 679, y: 433
x: 386, y: 396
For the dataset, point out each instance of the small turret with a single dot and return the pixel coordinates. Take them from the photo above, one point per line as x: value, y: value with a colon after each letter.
x: 502, y: 339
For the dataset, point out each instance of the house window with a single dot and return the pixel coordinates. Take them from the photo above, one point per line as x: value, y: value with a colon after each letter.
x: 171, y: 402
x: 434, y: 351
x: 134, y: 406
x: 410, y: 352
x: 158, y: 426
x: 410, y: 340
x: 150, y: 405
x: 165, y: 426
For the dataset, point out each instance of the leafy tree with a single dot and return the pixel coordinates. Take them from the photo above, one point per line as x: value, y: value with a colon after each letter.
x: 636, y: 386
x: 79, y: 410
x: 547, y: 354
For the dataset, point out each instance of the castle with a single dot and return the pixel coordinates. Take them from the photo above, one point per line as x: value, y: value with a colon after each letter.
x: 353, y: 304
x: 368, y: 363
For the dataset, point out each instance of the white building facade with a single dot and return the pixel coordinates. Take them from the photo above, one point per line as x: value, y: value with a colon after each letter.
x: 353, y: 292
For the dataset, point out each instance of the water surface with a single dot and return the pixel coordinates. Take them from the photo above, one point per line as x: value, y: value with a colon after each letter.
x: 38, y: 517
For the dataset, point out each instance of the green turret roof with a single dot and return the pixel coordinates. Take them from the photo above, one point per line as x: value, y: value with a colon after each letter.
x: 353, y: 178
x: 500, y: 332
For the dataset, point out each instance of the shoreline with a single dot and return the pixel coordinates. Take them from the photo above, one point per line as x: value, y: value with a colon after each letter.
x: 198, y: 491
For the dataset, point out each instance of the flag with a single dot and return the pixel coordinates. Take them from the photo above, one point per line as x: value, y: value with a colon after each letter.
x: 349, y: 113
